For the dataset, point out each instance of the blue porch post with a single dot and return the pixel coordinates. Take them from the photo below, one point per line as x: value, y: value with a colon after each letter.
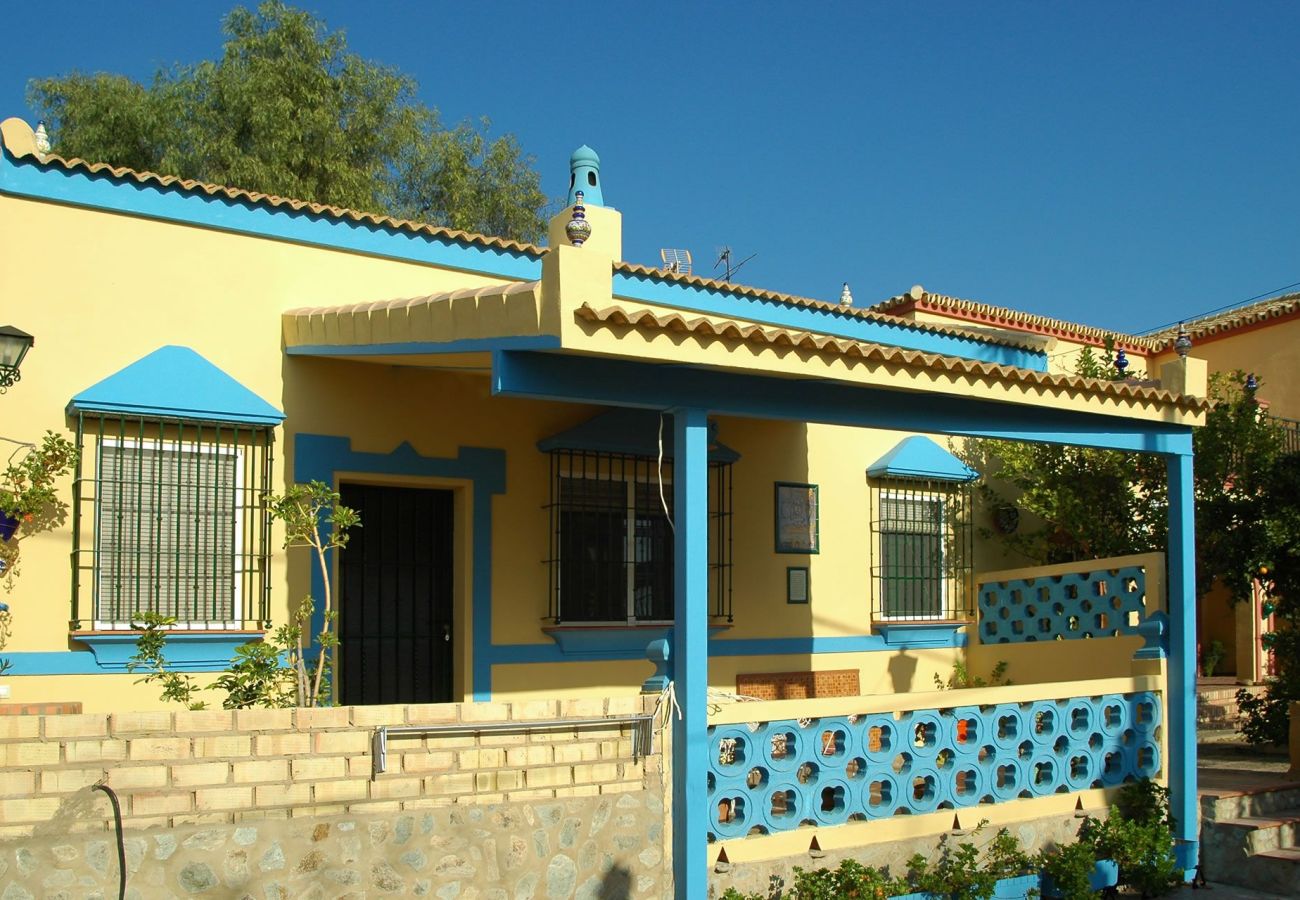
x: 1181, y: 703
x: 690, y: 649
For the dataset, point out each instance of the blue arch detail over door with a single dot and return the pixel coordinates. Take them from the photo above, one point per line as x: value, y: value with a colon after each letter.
x: 319, y: 457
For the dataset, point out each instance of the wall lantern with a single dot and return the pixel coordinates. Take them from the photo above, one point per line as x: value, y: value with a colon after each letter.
x: 14, y: 344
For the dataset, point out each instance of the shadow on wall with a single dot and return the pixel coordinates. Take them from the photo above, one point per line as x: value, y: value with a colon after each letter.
x: 902, y: 671
x: 616, y: 885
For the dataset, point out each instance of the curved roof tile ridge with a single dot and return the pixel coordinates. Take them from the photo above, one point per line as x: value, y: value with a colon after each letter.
x: 756, y: 293
x: 272, y: 201
x: 761, y: 334
x: 1232, y: 319
x: 1014, y: 318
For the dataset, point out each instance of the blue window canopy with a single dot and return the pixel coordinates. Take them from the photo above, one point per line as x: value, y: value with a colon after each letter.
x: 630, y: 432
x: 922, y: 459
x: 176, y: 383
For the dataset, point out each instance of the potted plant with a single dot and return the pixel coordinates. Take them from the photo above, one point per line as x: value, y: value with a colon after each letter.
x: 957, y: 875
x: 1015, y: 871
x: 27, y: 484
x: 1071, y: 871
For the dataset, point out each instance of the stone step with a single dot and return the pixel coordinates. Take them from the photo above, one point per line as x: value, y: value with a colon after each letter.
x: 1260, y: 834
x: 1275, y: 872
x: 1241, y: 805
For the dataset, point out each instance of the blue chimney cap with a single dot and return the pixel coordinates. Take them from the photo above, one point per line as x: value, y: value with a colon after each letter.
x: 584, y: 156
x: 584, y: 175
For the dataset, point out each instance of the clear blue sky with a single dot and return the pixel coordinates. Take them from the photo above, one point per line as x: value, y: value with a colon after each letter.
x: 1116, y: 163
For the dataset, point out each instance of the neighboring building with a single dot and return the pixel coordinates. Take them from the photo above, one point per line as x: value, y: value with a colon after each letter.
x: 1260, y: 339
x: 558, y: 457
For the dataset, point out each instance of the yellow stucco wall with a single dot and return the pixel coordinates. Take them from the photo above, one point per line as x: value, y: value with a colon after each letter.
x: 101, y: 290
x: 1270, y: 350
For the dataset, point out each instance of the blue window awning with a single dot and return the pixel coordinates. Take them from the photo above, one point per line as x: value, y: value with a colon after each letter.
x: 176, y: 383
x: 921, y: 458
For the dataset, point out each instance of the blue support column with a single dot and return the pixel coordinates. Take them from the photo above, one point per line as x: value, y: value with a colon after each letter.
x: 1181, y: 702
x: 690, y: 656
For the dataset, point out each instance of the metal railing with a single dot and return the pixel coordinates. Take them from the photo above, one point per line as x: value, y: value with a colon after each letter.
x: 642, y: 733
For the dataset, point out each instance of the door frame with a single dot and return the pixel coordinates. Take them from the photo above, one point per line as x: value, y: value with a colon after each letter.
x: 462, y: 554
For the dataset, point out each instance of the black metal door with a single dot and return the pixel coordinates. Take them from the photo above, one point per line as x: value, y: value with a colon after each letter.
x: 396, y: 597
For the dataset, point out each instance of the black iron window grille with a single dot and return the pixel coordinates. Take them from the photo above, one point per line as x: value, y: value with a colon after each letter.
x: 922, y: 538
x: 170, y: 517
x: 611, y: 539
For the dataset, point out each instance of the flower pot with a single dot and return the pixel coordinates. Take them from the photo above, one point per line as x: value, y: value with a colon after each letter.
x: 919, y: 895
x: 1105, y: 874
x: 1016, y: 887
x: 8, y: 525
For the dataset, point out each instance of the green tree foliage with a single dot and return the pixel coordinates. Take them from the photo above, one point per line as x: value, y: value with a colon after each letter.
x: 288, y: 110
x: 1094, y: 504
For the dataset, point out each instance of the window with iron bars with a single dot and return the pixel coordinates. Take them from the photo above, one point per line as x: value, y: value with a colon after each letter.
x: 922, y: 542
x: 169, y: 517
x: 611, y: 543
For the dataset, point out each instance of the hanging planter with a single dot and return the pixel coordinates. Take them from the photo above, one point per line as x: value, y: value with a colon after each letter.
x: 8, y: 525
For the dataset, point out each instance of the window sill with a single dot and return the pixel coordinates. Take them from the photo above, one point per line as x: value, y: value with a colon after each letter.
x: 192, y: 651
x: 612, y: 641
x: 921, y: 633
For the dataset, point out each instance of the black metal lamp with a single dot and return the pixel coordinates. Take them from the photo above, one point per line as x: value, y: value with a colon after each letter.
x: 14, y: 344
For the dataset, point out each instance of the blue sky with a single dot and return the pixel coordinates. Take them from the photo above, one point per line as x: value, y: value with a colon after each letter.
x: 1119, y: 164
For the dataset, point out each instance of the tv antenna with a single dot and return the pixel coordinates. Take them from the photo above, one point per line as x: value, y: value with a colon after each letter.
x: 725, y: 257
x: 676, y: 261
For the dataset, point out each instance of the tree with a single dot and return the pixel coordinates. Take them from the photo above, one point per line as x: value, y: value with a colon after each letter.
x: 287, y: 110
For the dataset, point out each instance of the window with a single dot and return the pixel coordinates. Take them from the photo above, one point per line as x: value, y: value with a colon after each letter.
x: 922, y: 570
x: 169, y: 518
x: 611, y: 558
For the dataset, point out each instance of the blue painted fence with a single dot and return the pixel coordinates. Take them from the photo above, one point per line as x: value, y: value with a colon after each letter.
x: 774, y: 776
x: 1071, y: 606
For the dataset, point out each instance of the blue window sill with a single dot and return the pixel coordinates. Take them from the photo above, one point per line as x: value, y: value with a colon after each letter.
x: 612, y: 641
x: 921, y: 634
x: 189, y: 651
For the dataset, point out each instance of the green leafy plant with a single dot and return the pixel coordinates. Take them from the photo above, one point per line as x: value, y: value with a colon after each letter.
x: 1070, y: 867
x: 956, y: 874
x: 150, y: 655
x: 258, y: 677
x: 1148, y: 862
x: 314, y: 517
x: 1005, y: 858
x: 1211, y: 657
x: 961, y: 677
x: 28, y: 494
x: 851, y: 879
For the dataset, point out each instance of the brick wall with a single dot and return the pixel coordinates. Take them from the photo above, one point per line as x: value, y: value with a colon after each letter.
x: 218, y: 767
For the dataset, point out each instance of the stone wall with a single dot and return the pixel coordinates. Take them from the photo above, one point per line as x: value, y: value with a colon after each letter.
x: 281, y: 803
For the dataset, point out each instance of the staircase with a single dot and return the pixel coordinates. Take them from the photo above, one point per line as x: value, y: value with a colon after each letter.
x: 1216, y: 704
x: 1251, y: 839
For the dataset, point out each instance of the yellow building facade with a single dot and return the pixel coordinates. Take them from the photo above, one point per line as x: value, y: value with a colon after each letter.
x: 576, y: 476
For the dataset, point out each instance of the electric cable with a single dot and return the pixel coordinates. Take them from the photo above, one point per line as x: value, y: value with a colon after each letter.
x: 121, y: 844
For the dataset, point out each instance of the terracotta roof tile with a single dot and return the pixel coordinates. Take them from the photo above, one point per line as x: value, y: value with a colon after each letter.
x: 1241, y: 317
x: 271, y: 201
x: 834, y: 346
x: 755, y: 293
x: 1012, y: 318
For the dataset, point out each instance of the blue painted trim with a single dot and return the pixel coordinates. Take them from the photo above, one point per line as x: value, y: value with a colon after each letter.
x: 613, y: 641
x: 412, y: 348
x: 918, y: 635
x: 176, y: 383
x: 26, y: 177
x: 690, y: 651
x: 624, y: 383
x: 721, y: 302
x: 1181, y: 701
x: 920, y: 457
x: 189, y: 651
x: 321, y: 457
x: 789, y: 646
x: 108, y: 654
x: 627, y: 430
